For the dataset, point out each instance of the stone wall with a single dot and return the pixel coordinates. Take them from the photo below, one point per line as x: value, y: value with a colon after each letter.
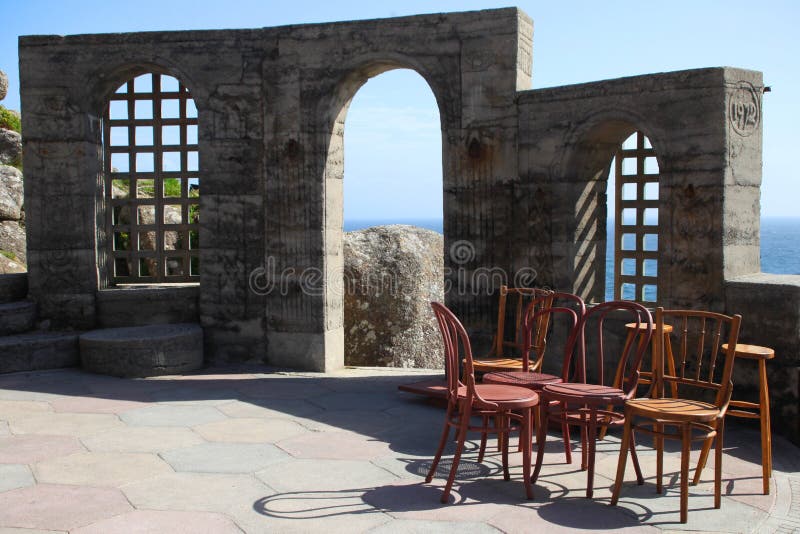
x: 524, y: 174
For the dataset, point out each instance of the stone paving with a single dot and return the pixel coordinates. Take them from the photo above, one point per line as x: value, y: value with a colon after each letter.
x: 258, y: 450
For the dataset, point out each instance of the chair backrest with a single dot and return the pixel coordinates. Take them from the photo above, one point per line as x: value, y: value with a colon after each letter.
x: 539, y: 323
x: 695, y: 346
x: 514, y: 299
x: 456, y: 341
x: 600, y: 335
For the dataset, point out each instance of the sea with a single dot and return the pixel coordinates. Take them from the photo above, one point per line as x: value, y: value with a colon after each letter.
x: 780, y: 242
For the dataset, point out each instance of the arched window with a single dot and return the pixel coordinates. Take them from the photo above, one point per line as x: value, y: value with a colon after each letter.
x: 636, y: 230
x: 152, y: 184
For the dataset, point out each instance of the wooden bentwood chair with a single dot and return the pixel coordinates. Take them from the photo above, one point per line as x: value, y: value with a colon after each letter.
x: 586, y: 404
x: 541, y: 314
x: 701, y: 335
x: 506, y: 354
x: 466, y: 399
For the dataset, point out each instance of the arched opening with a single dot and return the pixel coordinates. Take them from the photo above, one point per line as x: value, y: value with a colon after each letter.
x: 151, y: 182
x: 392, y: 176
x: 632, y: 253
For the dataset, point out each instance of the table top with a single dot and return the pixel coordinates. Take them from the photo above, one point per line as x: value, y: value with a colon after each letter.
x: 643, y: 326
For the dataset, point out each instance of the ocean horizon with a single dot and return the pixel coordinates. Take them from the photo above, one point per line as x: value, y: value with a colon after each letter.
x: 780, y: 239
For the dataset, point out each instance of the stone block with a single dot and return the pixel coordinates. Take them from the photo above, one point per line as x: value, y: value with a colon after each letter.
x: 17, y: 317
x: 143, y: 350
x: 119, y: 307
x: 13, y: 286
x: 40, y: 350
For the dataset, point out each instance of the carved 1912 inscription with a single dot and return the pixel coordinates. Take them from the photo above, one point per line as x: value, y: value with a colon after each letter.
x: 744, y: 110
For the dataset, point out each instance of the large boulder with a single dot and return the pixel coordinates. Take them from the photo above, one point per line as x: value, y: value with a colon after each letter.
x: 391, y: 274
x: 10, y: 147
x: 3, y: 85
x: 11, y: 194
x: 12, y: 239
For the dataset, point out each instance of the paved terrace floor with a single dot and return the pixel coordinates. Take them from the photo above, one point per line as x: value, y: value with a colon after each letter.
x: 296, y: 452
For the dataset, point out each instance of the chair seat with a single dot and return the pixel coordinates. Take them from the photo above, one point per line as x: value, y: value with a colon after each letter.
x: 673, y: 409
x: 535, y: 381
x: 506, y: 397
x: 584, y: 393
x: 488, y: 365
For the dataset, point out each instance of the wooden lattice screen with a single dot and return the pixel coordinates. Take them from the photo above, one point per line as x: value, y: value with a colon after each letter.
x: 152, y: 185
x: 636, y: 232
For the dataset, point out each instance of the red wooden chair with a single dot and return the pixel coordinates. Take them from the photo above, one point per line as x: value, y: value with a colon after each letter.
x: 540, y: 314
x: 702, y: 338
x: 466, y: 399
x: 585, y: 404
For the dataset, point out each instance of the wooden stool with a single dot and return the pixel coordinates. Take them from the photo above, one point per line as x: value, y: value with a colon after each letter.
x: 762, y: 354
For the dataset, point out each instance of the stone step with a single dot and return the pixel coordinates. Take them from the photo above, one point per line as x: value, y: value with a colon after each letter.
x: 13, y: 286
x: 137, y: 351
x: 17, y: 317
x: 33, y: 351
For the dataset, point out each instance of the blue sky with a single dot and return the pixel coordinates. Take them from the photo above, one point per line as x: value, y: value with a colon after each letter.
x: 392, y: 129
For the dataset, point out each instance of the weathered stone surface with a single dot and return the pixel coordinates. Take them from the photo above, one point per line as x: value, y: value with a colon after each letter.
x: 10, y: 147
x: 147, y: 305
x: 17, y: 317
x: 13, y: 287
x: 11, y: 193
x: 3, y: 85
x: 143, y: 350
x: 391, y: 274
x: 40, y: 350
x: 12, y: 239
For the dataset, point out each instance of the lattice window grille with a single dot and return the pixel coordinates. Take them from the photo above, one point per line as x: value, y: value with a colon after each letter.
x: 152, y: 185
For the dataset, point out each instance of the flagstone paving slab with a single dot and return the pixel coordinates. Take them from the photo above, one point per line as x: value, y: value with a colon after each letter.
x: 100, y: 468
x: 357, y: 464
x: 224, y: 457
x: 249, y: 430
x: 13, y: 476
x: 324, y: 475
x: 196, y: 491
x: 65, y: 424
x: 94, y: 405
x: 58, y: 507
x: 152, y: 521
x: 31, y: 448
x: 172, y: 415
x: 142, y: 439
x: 334, y: 445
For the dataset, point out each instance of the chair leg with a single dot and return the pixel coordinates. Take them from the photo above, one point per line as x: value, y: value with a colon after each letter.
x: 505, y: 421
x: 623, y: 458
x: 462, y: 437
x: 584, y: 448
x: 658, y: 442
x: 766, y: 435
x: 484, y: 435
x: 591, y: 432
x: 541, y: 438
x: 635, y: 457
x: 686, y: 448
x: 442, y: 443
x: 701, y: 462
x: 564, y: 435
x: 718, y: 464
x: 526, y: 438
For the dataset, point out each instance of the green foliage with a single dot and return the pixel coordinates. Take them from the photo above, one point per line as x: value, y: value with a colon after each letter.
x: 8, y: 254
x: 9, y: 120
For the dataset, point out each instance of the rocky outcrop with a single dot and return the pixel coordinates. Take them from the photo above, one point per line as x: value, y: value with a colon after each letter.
x: 10, y: 147
x: 391, y: 274
x: 12, y: 214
